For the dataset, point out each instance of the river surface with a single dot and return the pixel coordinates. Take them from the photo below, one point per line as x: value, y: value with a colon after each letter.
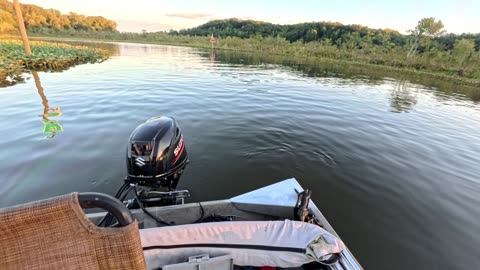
x: 393, y: 162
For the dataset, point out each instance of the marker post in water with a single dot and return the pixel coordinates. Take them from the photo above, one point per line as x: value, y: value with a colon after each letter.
x: 212, y: 40
x: 21, y: 27
x: 49, y: 125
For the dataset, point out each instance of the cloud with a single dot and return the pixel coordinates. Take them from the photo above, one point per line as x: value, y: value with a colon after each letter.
x: 188, y: 15
x: 247, y: 18
x: 137, y: 26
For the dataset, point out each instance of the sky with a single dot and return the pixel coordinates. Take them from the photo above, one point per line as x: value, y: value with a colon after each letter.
x: 157, y: 15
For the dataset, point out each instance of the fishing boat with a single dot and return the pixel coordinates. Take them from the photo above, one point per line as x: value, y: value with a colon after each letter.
x: 148, y: 225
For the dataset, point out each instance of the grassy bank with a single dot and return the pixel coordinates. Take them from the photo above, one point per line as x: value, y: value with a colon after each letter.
x: 443, y: 65
x: 46, y: 56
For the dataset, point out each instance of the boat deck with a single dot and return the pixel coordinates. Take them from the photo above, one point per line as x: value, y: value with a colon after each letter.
x: 274, y: 202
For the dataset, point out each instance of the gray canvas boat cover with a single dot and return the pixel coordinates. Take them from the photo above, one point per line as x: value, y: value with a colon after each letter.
x: 250, y: 243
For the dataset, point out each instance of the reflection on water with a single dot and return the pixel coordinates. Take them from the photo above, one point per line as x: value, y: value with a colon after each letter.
x: 212, y: 56
x: 373, y: 75
x: 400, y: 188
x: 12, y: 79
x: 50, y: 126
x: 402, y: 99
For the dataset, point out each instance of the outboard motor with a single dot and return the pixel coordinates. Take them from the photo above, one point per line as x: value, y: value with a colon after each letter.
x: 156, y: 159
x: 156, y: 154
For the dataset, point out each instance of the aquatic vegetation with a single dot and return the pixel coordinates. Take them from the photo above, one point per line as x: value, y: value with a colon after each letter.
x: 46, y: 56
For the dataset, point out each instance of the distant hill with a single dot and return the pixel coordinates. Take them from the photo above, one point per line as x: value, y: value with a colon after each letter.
x: 292, y: 32
x: 37, y: 18
x: 333, y: 33
x: 249, y: 28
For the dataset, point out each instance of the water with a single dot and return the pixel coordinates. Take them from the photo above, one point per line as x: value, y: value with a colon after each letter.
x: 393, y: 163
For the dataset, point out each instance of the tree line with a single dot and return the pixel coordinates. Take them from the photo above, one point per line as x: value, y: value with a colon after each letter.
x: 425, y: 47
x: 37, y: 18
x: 328, y: 33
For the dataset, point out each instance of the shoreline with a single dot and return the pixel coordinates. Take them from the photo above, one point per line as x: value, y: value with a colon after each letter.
x: 405, y: 71
x: 463, y: 81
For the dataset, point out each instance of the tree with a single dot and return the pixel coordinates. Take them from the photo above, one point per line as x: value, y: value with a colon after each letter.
x: 462, y: 52
x: 311, y: 35
x: 37, y: 18
x: 426, y: 27
x: 7, y: 22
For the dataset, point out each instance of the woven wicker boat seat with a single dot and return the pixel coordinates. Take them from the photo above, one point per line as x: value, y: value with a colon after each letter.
x: 56, y: 234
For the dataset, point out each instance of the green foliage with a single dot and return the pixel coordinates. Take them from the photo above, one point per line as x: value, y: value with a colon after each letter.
x: 37, y: 18
x: 448, y: 40
x: 342, y: 36
x: 463, y: 49
x: 305, y: 32
x: 465, y: 56
x: 428, y: 27
x: 425, y: 29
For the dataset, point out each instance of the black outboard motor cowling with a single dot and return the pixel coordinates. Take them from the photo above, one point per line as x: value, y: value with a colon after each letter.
x: 156, y: 154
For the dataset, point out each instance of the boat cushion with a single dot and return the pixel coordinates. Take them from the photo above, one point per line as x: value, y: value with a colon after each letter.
x: 250, y: 243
